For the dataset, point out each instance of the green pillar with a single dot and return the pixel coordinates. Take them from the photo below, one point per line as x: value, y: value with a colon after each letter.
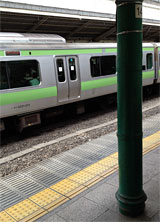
x: 130, y: 195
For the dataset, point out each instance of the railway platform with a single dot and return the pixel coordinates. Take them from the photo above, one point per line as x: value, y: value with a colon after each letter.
x: 99, y: 204
x: 80, y: 184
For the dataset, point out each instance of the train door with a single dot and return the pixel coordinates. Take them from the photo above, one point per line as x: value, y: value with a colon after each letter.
x: 157, y: 64
x: 68, y: 78
x: 148, y: 68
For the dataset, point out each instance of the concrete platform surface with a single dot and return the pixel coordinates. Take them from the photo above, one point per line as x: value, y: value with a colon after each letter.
x: 98, y: 203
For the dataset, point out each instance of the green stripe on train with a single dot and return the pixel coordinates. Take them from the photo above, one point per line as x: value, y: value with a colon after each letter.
x: 1, y: 53
x: 67, y: 51
x: 148, y: 74
x: 59, y: 52
x: 109, y: 50
x: 27, y: 95
x: 148, y: 49
x: 35, y: 94
x: 93, y: 84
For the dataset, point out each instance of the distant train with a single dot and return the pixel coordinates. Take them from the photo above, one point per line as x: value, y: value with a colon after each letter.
x: 39, y: 72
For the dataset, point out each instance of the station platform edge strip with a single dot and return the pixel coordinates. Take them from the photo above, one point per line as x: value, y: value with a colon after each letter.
x: 48, y: 199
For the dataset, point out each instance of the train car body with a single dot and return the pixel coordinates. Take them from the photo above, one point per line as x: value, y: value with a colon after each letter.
x: 150, y: 63
x: 157, y: 62
x: 39, y: 72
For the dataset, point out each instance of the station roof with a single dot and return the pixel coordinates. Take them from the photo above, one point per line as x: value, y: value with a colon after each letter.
x: 86, y: 26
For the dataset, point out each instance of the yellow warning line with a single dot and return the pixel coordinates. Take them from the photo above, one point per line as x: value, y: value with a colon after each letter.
x: 41, y: 203
x: 151, y: 142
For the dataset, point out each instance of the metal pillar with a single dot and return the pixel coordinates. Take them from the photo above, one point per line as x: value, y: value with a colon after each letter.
x: 130, y: 195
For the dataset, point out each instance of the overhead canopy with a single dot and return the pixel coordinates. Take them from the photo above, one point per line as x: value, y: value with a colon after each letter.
x: 89, y: 23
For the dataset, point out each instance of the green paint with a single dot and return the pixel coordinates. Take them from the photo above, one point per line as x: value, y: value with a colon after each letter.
x: 93, y: 84
x: 67, y: 51
x: 27, y: 95
x: 59, y: 52
x: 1, y: 53
x: 148, y: 74
x: 109, y: 50
x: 130, y: 194
x: 148, y: 49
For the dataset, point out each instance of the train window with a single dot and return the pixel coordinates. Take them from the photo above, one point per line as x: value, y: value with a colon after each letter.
x: 149, y: 61
x: 95, y: 66
x: 23, y: 73
x: 108, y: 65
x: 72, y: 68
x: 60, y: 70
x: 143, y: 67
x: 102, y: 66
x: 3, y: 76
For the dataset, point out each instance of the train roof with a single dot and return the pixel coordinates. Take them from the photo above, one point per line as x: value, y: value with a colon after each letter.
x: 154, y: 45
x: 26, y: 38
x: 43, y: 41
x: 47, y: 42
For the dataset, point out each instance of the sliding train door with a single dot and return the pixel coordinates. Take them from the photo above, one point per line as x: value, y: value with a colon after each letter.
x: 68, y: 78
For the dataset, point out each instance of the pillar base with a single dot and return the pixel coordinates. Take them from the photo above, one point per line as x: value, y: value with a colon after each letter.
x: 131, y: 206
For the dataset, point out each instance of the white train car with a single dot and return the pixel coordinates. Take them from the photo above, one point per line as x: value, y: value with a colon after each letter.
x: 39, y: 72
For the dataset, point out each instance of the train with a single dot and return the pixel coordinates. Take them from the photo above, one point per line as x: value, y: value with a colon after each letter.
x: 40, y: 72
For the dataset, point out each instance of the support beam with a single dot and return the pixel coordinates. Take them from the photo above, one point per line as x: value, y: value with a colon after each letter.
x: 78, y: 29
x: 147, y: 32
x: 130, y: 195
x: 44, y: 19
x: 105, y: 34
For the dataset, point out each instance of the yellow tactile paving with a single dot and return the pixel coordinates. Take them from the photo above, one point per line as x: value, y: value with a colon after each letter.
x: 48, y: 199
x: 4, y: 217
x: 153, y: 138
x: 83, y: 177
x: 96, y: 169
x: 114, y: 155
x: 95, y: 180
x: 25, y: 210
x: 108, y: 161
x: 148, y: 142
x: 150, y: 148
x: 109, y: 171
x: 151, y: 142
x: 68, y: 188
